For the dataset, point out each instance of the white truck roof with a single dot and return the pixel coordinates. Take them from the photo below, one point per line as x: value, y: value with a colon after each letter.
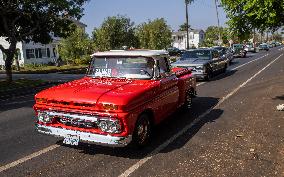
x: 146, y: 53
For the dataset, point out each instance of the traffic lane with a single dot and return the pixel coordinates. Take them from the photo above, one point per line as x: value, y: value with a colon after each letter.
x: 246, y: 140
x: 222, y: 84
x: 15, y: 103
x: 251, y: 56
x: 120, y: 157
x: 90, y: 159
x: 18, y: 137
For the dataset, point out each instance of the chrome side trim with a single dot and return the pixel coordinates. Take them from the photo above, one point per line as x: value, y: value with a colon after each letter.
x: 106, y: 140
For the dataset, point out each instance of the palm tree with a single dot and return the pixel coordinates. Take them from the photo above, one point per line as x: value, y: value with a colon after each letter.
x: 187, y: 2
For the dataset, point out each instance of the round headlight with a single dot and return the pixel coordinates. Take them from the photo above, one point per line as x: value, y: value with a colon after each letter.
x: 114, y: 127
x: 103, y: 125
x: 44, y: 117
x: 47, y: 118
x: 41, y: 116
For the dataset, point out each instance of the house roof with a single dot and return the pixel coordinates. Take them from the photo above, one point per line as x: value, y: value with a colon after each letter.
x: 146, y: 53
x: 180, y: 33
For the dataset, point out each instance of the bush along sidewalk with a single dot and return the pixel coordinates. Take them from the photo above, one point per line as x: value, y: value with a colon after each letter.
x: 22, y: 87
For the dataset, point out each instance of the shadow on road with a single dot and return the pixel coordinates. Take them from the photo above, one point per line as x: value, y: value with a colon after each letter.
x: 186, y: 137
x: 163, y: 132
x: 228, y: 73
x: 15, y: 104
x: 279, y: 97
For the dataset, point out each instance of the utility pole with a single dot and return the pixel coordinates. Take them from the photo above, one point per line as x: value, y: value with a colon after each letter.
x: 187, y: 25
x: 217, y: 13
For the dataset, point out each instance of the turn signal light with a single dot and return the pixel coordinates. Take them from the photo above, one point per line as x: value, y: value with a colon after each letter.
x: 41, y: 100
x: 110, y: 107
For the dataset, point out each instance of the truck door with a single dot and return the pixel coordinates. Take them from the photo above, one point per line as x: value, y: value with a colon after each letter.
x: 169, y: 92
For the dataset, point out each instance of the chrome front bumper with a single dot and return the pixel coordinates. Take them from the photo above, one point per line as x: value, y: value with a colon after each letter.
x: 105, y: 140
x: 199, y: 75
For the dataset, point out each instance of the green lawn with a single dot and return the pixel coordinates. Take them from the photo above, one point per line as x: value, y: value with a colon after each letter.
x: 17, y: 84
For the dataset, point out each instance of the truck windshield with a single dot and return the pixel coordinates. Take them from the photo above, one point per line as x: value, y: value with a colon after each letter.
x: 122, y: 67
x: 196, y: 54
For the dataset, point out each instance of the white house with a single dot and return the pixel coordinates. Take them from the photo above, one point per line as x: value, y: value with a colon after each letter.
x: 35, y: 53
x: 196, y: 37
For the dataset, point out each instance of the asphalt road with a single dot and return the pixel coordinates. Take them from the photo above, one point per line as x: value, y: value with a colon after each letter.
x: 233, y: 129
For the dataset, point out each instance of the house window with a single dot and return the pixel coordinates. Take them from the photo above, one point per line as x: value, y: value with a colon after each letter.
x: 44, y: 52
x: 38, y: 53
x: 54, y: 52
x: 41, y: 52
x: 48, y: 52
x: 30, y: 53
x: 180, y: 38
x: 4, y: 56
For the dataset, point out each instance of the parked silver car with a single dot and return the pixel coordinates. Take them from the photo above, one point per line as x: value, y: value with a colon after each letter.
x: 205, y: 63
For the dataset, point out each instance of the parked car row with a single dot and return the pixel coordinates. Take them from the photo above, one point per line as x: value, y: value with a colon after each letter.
x: 205, y: 63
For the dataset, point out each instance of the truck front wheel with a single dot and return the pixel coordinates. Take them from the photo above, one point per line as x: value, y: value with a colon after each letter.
x: 142, y: 131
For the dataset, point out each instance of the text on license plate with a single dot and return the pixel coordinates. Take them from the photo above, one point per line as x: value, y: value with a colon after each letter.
x: 71, y: 140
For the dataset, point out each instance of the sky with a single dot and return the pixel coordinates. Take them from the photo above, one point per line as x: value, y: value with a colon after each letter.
x: 202, y: 13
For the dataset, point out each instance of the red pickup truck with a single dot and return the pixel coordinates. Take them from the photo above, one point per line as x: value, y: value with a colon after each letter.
x: 123, y: 95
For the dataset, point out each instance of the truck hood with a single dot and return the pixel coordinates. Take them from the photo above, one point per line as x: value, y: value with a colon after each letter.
x: 92, y: 91
x: 190, y: 62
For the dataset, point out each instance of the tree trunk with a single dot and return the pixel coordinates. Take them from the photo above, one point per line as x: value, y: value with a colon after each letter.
x: 8, y: 68
x: 10, y: 53
x: 17, y: 63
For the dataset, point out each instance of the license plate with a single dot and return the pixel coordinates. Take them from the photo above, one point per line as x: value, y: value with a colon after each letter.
x: 71, y: 140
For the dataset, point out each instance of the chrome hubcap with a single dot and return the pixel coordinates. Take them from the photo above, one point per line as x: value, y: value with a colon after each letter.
x: 142, y: 131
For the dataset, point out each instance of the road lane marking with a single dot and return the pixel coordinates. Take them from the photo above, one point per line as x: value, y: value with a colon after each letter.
x: 250, y: 62
x: 154, y: 152
x: 29, y: 157
x: 137, y: 165
x: 201, y: 83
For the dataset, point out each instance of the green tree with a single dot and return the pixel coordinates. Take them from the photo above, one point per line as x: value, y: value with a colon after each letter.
x: 212, y: 33
x: 27, y: 20
x: 246, y: 15
x: 154, y: 34
x: 76, y: 48
x: 114, y: 33
x: 212, y: 36
x: 183, y: 27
